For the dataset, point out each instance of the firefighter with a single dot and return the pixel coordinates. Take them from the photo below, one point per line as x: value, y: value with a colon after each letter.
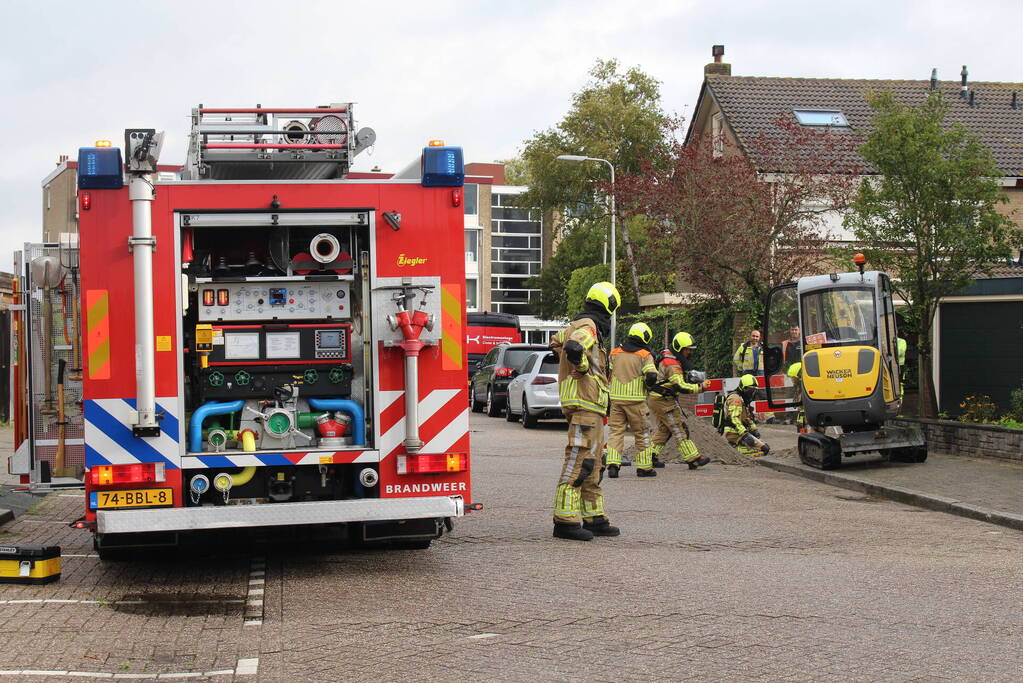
x: 632, y: 369
x: 795, y: 374
x: 740, y: 428
x: 582, y: 383
x: 664, y: 407
x: 900, y: 356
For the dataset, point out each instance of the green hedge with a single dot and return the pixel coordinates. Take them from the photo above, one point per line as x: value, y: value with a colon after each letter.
x: 710, y: 323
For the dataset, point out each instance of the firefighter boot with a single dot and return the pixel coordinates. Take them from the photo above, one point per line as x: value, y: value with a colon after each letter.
x: 572, y: 532
x: 646, y: 473
x: 600, y: 526
x: 657, y: 463
x: 699, y: 462
x: 612, y: 471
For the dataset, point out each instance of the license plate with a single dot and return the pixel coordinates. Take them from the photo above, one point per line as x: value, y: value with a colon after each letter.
x: 136, y: 498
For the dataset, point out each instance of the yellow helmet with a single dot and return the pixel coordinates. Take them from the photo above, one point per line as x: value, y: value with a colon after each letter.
x: 606, y: 294
x: 794, y: 370
x: 682, y: 340
x: 642, y: 331
x: 747, y: 381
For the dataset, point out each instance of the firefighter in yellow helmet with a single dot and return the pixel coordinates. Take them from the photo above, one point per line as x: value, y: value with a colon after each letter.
x: 583, y: 385
x: 740, y: 429
x: 667, y: 413
x: 795, y: 373
x: 632, y: 368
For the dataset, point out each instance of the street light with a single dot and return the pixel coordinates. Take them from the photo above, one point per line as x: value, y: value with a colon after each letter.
x: 614, y: 281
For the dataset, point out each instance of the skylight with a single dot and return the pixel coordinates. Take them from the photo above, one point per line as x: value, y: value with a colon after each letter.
x: 820, y: 117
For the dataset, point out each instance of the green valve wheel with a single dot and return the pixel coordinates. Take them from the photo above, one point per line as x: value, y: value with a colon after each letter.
x: 215, y: 378
x: 310, y: 376
x: 242, y: 378
x: 336, y: 376
x: 278, y: 423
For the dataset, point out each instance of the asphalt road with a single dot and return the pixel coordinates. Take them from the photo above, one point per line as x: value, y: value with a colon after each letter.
x: 726, y: 573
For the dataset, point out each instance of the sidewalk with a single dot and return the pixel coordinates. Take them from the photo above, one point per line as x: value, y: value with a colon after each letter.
x: 12, y: 502
x: 977, y: 488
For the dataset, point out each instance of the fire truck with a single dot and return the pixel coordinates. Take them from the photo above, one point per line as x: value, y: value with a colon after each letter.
x: 263, y: 339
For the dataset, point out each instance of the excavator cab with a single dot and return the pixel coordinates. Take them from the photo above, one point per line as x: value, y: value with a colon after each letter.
x: 841, y: 329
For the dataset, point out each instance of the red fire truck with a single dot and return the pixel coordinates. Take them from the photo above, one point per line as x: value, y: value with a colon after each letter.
x: 265, y: 340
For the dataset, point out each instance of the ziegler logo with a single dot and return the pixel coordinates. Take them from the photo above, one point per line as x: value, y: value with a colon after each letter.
x: 410, y: 260
x: 840, y: 374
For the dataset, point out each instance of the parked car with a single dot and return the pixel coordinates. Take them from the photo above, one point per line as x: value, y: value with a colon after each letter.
x: 533, y: 393
x: 489, y: 389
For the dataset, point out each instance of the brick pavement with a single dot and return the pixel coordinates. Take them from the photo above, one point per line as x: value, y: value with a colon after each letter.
x: 725, y: 573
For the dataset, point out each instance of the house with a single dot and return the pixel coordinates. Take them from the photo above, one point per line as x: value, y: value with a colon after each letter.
x: 983, y: 320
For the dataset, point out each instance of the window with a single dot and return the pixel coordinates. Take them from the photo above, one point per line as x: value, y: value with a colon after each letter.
x: 471, y: 294
x: 844, y: 316
x: 821, y: 117
x: 717, y: 135
x: 471, y: 198
x: 472, y: 246
x: 550, y: 365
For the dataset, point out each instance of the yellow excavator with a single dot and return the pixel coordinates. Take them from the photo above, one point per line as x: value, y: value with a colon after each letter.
x: 849, y: 373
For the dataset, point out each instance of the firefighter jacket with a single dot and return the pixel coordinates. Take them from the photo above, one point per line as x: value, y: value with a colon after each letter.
x: 671, y: 380
x: 739, y: 419
x: 628, y: 374
x: 579, y: 350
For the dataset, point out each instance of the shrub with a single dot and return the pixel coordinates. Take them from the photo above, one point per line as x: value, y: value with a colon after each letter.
x: 978, y: 409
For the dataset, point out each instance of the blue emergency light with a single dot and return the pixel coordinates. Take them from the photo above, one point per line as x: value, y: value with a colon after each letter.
x: 443, y: 167
x: 99, y: 168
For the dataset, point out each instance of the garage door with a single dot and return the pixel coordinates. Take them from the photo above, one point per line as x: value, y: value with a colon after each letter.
x: 981, y: 351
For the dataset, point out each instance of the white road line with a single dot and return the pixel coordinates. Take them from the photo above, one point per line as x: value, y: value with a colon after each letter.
x: 254, y: 599
x: 244, y: 667
x: 55, y: 601
x: 481, y: 636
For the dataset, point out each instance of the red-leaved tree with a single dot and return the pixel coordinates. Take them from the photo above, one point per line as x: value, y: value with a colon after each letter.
x: 734, y: 225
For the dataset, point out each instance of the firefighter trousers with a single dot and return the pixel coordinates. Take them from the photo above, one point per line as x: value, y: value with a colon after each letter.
x: 578, y: 495
x: 629, y: 415
x: 747, y: 444
x: 670, y: 423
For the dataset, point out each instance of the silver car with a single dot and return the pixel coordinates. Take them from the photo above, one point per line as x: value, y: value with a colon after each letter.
x: 533, y: 392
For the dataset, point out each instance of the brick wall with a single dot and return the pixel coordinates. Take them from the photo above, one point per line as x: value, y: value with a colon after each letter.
x: 968, y: 439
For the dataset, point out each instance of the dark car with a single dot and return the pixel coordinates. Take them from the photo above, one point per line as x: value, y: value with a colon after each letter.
x: 489, y: 387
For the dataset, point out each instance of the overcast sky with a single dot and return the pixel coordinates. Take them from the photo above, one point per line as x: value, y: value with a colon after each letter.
x: 483, y: 75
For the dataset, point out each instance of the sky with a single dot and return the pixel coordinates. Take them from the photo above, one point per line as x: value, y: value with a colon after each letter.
x: 484, y: 75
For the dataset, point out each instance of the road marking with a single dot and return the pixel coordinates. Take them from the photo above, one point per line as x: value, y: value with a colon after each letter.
x: 244, y: 667
x: 254, y: 600
x: 481, y: 636
x: 73, y: 555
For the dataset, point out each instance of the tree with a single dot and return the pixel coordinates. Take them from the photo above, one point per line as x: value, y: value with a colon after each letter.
x: 734, y: 225
x: 617, y: 117
x: 515, y: 171
x: 929, y: 216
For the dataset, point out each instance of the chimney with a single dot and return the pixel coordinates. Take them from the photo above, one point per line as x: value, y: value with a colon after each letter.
x: 972, y: 103
x: 1015, y: 99
x: 964, y: 73
x: 717, y: 67
x: 934, y: 79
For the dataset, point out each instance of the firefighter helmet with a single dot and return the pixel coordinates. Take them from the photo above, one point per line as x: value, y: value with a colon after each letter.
x: 682, y: 340
x: 641, y: 331
x: 605, y: 294
x: 794, y: 370
x: 747, y: 381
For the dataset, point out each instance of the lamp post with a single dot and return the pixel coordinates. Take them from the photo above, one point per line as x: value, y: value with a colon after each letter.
x: 614, y: 280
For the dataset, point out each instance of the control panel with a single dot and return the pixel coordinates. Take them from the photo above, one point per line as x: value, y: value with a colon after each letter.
x: 275, y: 300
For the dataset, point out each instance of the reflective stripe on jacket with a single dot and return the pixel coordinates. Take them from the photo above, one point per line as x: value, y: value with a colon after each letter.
x: 589, y: 392
x: 744, y: 357
x: 628, y: 370
x: 739, y: 418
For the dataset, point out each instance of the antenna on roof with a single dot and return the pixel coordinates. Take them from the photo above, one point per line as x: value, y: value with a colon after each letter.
x: 934, y: 79
x: 964, y: 73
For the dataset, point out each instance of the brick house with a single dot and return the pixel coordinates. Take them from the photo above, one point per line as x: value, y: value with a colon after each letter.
x: 981, y: 322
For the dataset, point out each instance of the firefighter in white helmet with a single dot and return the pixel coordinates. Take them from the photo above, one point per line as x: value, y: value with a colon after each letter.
x: 665, y: 408
x: 583, y: 385
x: 632, y: 369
